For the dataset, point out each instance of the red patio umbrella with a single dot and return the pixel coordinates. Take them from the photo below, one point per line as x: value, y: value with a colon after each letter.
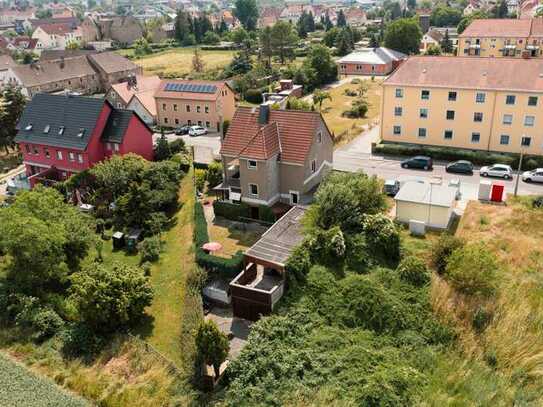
x: 212, y: 246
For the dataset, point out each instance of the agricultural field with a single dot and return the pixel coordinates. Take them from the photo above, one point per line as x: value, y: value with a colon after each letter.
x: 177, y: 62
x: 22, y: 388
x: 344, y: 128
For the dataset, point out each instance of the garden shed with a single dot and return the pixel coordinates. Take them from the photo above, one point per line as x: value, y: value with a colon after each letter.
x: 426, y: 202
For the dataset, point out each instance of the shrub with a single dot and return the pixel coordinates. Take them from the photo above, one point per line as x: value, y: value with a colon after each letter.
x: 481, y: 319
x: 80, y: 340
x: 110, y: 297
x: 442, y: 249
x: 358, y: 110
x: 46, y: 323
x: 350, y: 92
x: 472, y: 270
x: 366, y: 303
x: 149, y: 249
x: 253, y: 96
x: 200, y: 176
x: 412, y: 270
x: 230, y: 210
x: 211, y: 38
x: 298, y: 263
x: 356, y: 81
x: 214, y: 174
x: 538, y: 202
x: 383, y: 236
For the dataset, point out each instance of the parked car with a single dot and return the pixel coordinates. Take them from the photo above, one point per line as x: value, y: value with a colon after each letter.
x: 460, y: 167
x: 197, y: 131
x: 497, y: 170
x: 419, y: 161
x: 391, y: 187
x: 533, y: 176
x: 182, y: 130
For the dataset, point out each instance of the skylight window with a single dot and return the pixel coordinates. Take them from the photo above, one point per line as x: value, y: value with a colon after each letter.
x: 81, y: 133
x: 46, y: 129
x: 28, y: 127
x: 61, y: 131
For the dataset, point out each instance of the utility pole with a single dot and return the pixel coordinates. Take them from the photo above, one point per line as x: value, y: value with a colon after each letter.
x: 519, y: 168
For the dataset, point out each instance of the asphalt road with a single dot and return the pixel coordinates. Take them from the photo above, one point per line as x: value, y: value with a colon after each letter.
x: 357, y: 156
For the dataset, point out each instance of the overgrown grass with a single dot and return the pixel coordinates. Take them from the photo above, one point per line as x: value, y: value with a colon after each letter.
x: 177, y: 62
x: 346, y: 129
x: 512, y: 343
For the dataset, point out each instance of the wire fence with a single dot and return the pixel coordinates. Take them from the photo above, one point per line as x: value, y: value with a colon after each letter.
x: 152, y: 351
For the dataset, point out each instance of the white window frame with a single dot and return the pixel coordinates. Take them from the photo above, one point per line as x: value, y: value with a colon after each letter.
x: 59, y: 155
x: 116, y: 147
x: 529, y: 123
x: 80, y: 158
x: 250, y: 166
x: 313, y: 166
x: 71, y: 156
x: 505, y: 122
x: 250, y: 189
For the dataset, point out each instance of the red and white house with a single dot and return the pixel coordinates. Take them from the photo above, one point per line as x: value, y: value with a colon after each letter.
x: 62, y: 135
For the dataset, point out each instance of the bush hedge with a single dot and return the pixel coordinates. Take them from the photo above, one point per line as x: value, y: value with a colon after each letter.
x: 225, y: 267
x: 253, y: 96
x: 452, y: 154
x: 231, y: 211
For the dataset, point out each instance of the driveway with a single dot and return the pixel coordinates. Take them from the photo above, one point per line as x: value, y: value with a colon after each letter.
x: 356, y: 156
x: 206, y: 147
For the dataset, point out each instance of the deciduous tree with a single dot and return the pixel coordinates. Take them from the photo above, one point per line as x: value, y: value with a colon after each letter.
x: 403, y: 35
x: 284, y: 40
x: 110, y: 297
x: 246, y: 11
x: 212, y: 345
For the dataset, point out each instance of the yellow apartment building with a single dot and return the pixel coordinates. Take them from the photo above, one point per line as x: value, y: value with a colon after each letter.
x: 203, y: 103
x: 514, y: 38
x: 470, y: 103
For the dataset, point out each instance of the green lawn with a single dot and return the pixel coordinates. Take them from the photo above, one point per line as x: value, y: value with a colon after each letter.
x: 22, y: 388
x: 168, y: 278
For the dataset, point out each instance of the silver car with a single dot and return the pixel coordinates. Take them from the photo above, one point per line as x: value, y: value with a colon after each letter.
x: 497, y: 170
x: 533, y: 176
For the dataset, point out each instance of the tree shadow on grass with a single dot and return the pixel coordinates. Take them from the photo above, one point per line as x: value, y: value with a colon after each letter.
x: 145, y: 327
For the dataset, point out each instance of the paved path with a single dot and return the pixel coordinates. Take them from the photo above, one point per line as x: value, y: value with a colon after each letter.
x: 5, y: 177
x: 207, y: 147
x: 356, y: 156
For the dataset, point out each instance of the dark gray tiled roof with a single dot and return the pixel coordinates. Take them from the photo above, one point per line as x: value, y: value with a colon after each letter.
x: 75, y: 113
x: 117, y: 125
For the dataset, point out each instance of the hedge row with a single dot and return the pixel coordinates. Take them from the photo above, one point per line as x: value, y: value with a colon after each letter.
x: 452, y: 154
x: 234, y: 212
x: 231, y: 211
x: 225, y: 267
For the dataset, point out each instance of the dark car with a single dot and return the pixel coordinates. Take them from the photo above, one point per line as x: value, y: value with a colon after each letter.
x: 460, y: 167
x: 182, y: 130
x: 420, y: 161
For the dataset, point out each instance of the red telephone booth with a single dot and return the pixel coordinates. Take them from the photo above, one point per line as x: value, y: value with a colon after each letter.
x: 497, y: 192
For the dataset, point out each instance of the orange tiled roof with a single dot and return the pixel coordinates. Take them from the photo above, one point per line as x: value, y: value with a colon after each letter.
x: 290, y: 132
x: 513, y: 74
x: 498, y: 27
x: 143, y: 83
x: 56, y: 28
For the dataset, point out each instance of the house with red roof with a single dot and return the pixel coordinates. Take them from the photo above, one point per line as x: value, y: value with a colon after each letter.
x: 56, y: 36
x: 274, y: 156
x: 62, y: 135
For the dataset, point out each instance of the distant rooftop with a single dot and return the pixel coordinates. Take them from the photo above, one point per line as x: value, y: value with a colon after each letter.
x: 379, y: 55
x: 424, y: 192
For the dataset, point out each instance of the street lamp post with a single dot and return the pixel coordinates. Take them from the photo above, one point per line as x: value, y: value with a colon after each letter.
x: 519, y: 169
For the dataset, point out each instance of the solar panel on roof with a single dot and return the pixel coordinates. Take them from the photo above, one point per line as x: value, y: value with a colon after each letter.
x: 190, y: 87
